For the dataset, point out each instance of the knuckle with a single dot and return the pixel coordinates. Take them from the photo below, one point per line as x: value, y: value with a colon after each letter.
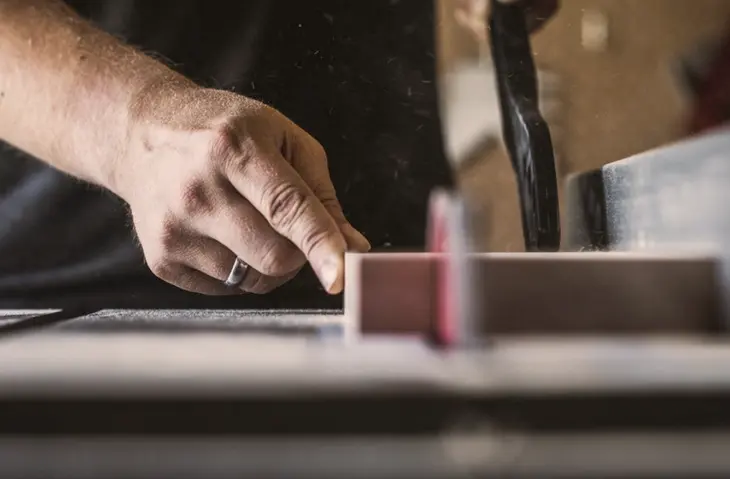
x: 233, y: 148
x: 168, y: 239
x: 314, y: 238
x: 223, y: 140
x: 285, y: 205
x: 194, y: 198
x: 162, y: 268
x: 326, y: 195
x: 242, y: 163
x: 273, y: 259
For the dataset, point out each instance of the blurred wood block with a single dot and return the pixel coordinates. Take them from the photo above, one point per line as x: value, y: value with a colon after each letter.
x: 559, y: 293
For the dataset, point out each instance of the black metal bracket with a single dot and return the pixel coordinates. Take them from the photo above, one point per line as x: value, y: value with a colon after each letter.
x: 526, y: 134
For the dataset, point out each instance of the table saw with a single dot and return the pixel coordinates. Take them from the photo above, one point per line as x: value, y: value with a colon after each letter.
x: 598, y: 352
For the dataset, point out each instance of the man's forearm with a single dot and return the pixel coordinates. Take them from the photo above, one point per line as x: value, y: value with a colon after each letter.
x: 66, y: 87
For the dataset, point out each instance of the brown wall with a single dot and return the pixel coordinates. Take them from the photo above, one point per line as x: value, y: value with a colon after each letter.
x: 615, y: 103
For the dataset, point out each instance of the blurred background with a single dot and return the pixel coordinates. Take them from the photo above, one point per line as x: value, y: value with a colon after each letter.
x: 619, y: 77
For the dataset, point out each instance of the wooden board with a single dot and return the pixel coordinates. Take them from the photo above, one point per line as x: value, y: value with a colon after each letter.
x: 557, y: 293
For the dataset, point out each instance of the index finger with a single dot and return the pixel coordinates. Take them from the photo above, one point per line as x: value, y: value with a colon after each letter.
x: 276, y: 190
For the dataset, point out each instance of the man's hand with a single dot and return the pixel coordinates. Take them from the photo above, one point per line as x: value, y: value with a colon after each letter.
x: 211, y: 176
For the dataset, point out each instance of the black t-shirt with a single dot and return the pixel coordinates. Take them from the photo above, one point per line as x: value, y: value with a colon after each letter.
x: 357, y: 75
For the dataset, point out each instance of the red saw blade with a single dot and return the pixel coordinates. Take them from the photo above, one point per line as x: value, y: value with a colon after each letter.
x: 444, y: 320
x: 451, y: 288
x: 457, y: 283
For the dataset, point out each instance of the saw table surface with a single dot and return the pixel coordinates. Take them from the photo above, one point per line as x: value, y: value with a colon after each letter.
x: 215, y: 395
x: 105, y: 357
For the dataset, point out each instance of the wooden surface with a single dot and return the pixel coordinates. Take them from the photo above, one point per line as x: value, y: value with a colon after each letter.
x: 563, y: 293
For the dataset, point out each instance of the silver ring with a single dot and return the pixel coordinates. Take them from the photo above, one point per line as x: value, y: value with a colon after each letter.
x: 237, y: 275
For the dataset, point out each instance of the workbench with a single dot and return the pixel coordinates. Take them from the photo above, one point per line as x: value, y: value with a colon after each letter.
x: 231, y: 394
x: 357, y: 393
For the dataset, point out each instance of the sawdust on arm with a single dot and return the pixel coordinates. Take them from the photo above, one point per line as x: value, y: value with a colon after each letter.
x: 66, y: 87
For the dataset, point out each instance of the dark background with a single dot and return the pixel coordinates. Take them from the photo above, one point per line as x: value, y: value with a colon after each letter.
x: 359, y: 76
